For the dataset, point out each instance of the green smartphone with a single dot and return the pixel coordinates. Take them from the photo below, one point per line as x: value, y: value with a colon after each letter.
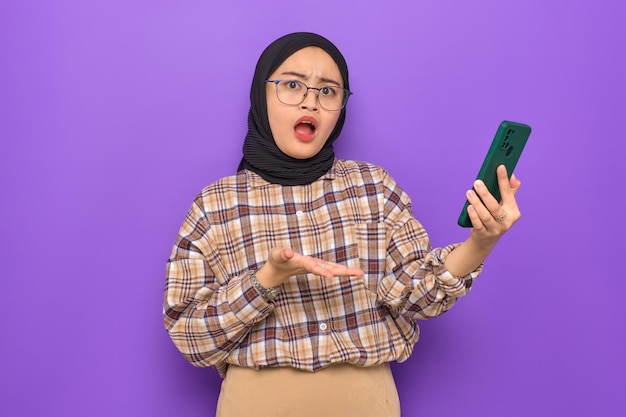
x: 506, y: 148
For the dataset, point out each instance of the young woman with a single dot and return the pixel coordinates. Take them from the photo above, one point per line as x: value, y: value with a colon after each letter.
x: 300, y: 277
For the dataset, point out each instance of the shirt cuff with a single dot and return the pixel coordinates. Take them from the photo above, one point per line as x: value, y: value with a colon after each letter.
x: 450, y: 284
x: 245, y: 301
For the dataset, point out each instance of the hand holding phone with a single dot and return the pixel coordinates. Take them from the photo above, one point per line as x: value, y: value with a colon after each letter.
x: 506, y: 149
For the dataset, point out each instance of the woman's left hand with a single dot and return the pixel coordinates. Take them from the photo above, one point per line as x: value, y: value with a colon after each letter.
x: 490, y: 218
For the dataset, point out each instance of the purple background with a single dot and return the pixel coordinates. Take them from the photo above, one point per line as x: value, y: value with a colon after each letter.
x: 114, y: 114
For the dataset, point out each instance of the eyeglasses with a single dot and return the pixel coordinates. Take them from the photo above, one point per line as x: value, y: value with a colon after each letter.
x: 292, y: 93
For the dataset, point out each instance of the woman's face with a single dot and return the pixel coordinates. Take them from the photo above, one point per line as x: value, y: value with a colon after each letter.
x: 301, y: 131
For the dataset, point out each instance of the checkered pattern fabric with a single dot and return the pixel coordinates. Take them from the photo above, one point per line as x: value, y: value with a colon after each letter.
x: 355, y: 215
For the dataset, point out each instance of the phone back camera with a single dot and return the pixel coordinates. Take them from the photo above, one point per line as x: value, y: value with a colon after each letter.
x: 505, y: 143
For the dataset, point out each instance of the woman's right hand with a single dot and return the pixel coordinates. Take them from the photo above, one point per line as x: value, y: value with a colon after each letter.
x: 284, y: 263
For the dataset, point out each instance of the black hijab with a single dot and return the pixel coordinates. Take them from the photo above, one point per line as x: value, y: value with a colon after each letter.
x: 260, y: 153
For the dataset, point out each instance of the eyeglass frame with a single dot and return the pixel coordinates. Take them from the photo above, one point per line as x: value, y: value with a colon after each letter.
x: 347, y: 93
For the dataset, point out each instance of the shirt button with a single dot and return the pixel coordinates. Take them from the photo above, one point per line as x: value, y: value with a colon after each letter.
x: 323, y: 326
x: 299, y: 213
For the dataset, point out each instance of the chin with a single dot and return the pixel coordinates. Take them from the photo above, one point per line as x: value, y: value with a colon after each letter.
x: 300, y: 153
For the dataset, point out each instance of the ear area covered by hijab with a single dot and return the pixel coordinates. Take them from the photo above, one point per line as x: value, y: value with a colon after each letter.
x: 260, y: 153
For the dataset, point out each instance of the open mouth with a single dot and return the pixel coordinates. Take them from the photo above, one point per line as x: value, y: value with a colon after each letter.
x: 305, y: 129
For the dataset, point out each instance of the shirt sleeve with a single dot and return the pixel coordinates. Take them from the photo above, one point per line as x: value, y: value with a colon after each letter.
x: 206, y: 313
x: 416, y: 283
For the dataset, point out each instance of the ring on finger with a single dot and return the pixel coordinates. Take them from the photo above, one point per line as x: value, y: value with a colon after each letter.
x: 501, y: 216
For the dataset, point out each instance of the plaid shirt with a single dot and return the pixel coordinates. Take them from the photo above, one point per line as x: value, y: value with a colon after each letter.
x: 355, y: 215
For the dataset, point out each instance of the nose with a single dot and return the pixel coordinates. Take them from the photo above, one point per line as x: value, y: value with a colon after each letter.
x: 310, y: 95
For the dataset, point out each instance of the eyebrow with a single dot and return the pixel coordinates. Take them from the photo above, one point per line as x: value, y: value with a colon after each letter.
x: 304, y: 77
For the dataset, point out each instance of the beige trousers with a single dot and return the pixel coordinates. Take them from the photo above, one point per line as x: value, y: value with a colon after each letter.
x: 337, y: 391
